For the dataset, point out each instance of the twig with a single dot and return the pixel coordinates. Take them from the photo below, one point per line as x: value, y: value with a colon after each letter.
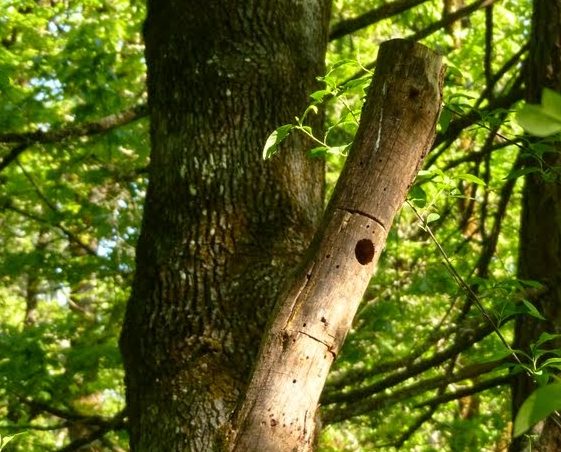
x: 469, y: 290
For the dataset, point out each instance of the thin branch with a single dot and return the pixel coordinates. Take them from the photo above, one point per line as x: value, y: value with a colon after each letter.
x: 117, y: 423
x: 512, y: 61
x: 462, y: 342
x: 357, y: 375
x: 434, y: 27
x: 38, y: 190
x: 69, y: 234
x: 472, y: 296
x: 13, y: 154
x: 475, y: 389
x: 490, y: 245
x: 479, y: 155
x: 371, y: 402
x: 456, y: 126
x: 439, y: 399
x: 62, y: 413
x: 26, y: 139
x: 428, y: 415
x: 450, y: 19
x: 425, y: 417
x: 371, y: 17
x: 73, y: 131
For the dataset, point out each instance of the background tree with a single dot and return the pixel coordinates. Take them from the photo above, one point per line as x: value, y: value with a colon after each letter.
x: 422, y: 367
x: 540, y: 231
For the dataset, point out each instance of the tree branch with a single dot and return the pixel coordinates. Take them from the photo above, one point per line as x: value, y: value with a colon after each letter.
x: 26, y: 139
x: 369, y: 402
x: 69, y: 234
x: 468, y: 338
x: 385, y: 11
x: 456, y: 126
x: 450, y: 19
x: 480, y: 387
x: 116, y: 423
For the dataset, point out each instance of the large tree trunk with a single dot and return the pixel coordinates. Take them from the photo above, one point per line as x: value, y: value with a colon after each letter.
x: 540, y: 233
x: 221, y: 226
x: 315, y: 313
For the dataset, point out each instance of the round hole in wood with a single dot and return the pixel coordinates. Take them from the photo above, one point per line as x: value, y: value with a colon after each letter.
x: 364, y: 251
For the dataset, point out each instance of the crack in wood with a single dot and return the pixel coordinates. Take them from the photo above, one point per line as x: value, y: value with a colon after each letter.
x: 329, y: 347
x: 364, y: 214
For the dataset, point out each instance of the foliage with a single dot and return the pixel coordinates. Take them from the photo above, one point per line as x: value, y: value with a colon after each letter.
x: 537, y: 407
x: 545, y: 119
x: 423, y: 367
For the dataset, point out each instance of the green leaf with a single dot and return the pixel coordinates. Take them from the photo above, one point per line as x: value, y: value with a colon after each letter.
x: 319, y: 95
x: 338, y: 150
x: 522, y: 172
x: 4, y: 440
x: 432, y: 217
x: 444, y: 119
x: 319, y: 151
x: 539, y: 121
x: 418, y: 196
x: 553, y: 362
x: 546, y: 337
x: 531, y: 283
x: 532, y: 310
x: 271, y: 145
x: 471, y: 178
x: 541, y: 403
x: 551, y: 102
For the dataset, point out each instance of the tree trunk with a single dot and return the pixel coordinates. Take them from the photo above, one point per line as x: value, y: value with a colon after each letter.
x: 221, y: 227
x: 315, y: 313
x: 540, y: 233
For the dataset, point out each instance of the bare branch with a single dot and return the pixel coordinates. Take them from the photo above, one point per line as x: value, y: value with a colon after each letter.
x: 116, y: 423
x: 465, y: 340
x: 450, y: 19
x: 373, y: 402
x: 371, y: 17
x: 475, y: 389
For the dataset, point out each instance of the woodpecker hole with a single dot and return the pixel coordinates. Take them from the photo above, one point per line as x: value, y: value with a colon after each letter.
x: 364, y: 251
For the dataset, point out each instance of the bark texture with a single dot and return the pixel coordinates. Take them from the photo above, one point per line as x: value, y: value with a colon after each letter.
x: 221, y: 227
x: 315, y: 313
x: 540, y: 232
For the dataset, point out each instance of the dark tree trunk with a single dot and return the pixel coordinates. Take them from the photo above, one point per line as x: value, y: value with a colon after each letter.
x: 540, y: 232
x: 221, y: 228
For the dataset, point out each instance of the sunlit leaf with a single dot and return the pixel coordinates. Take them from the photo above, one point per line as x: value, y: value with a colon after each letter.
x: 471, y: 178
x: 532, y: 310
x: 539, y: 405
x: 540, y: 120
x: 271, y: 145
x: 433, y: 216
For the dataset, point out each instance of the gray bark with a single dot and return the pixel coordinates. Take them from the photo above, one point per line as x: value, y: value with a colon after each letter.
x: 315, y: 313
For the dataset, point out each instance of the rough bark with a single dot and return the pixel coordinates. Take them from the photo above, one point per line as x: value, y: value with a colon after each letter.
x: 540, y: 232
x: 315, y: 313
x: 221, y: 227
